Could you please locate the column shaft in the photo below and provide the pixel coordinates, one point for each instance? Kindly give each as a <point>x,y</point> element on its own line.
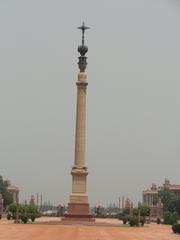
<point>80,137</point>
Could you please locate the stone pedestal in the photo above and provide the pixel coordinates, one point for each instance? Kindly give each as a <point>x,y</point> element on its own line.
<point>78,212</point>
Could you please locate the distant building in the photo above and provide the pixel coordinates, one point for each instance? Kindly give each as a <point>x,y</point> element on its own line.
<point>128,203</point>
<point>156,211</point>
<point>32,200</point>
<point>13,190</point>
<point>150,196</point>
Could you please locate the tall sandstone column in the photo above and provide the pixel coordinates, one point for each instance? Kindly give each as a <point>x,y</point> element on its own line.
<point>78,207</point>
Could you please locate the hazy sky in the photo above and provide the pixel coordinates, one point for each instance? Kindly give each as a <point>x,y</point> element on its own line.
<point>133,100</point>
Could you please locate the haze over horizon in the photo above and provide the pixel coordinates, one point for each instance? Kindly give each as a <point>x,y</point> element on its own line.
<point>133,114</point>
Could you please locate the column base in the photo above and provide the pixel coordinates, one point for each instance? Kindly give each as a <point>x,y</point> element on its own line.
<point>78,212</point>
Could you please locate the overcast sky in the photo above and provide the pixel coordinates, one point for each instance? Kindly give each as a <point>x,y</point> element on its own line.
<point>133,100</point>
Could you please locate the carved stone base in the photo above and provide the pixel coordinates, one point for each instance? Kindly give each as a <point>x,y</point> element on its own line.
<point>78,212</point>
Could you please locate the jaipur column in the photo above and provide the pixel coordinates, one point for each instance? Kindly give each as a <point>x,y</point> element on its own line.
<point>78,207</point>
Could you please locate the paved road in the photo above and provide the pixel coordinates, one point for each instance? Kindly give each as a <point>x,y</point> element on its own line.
<point>10,231</point>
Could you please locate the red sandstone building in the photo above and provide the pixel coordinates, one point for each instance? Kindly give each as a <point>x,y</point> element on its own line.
<point>150,195</point>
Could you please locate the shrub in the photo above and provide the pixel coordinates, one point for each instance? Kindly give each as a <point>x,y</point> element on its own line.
<point>158,221</point>
<point>142,221</point>
<point>32,216</point>
<point>25,212</point>
<point>123,218</point>
<point>174,218</point>
<point>8,216</point>
<point>170,218</point>
<point>167,216</point>
<point>133,221</point>
<point>24,219</point>
<point>176,227</point>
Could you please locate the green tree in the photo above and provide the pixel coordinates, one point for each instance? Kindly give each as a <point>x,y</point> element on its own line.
<point>144,210</point>
<point>174,218</point>
<point>135,211</point>
<point>168,198</point>
<point>31,208</point>
<point>5,194</point>
<point>178,207</point>
<point>126,211</point>
<point>12,208</point>
<point>170,218</point>
<point>172,205</point>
